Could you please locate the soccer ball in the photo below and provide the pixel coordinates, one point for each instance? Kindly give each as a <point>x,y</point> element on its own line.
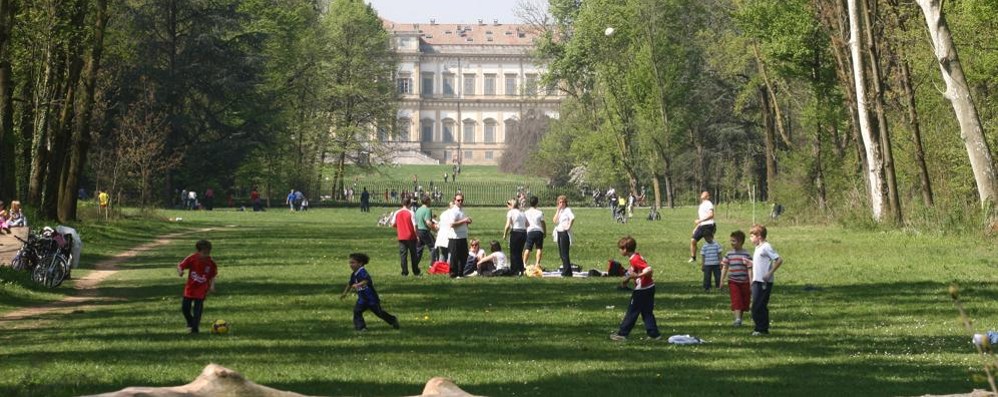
<point>220,327</point>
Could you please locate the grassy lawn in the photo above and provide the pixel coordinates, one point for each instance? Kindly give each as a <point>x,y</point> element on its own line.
<point>855,311</point>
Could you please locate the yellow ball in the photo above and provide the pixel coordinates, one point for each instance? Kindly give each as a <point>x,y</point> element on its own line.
<point>220,327</point>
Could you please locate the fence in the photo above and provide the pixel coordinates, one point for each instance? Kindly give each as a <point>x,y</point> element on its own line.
<point>476,193</point>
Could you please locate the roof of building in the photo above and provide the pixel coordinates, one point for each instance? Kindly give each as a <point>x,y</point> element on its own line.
<point>481,33</point>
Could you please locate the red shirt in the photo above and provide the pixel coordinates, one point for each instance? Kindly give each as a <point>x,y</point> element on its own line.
<point>638,265</point>
<point>201,270</point>
<point>254,195</point>
<point>404,226</point>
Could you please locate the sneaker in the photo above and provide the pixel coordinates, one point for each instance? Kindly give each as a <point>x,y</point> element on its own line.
<point>737,323</point>
<point>759,333</point>
<point>473,274</point>
<point>617,338</point>
<point>693,259</point>
<point>395,324</point>
<point>362,330</point>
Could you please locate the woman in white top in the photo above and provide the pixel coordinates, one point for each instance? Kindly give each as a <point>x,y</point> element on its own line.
<point>536,229</point>
<point>444,232</point>
<point>494,264</point>
<point>475,255</point>
<point>563,220</point>
<point>516,228</point>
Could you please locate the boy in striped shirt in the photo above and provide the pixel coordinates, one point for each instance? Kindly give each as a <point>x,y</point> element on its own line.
<point>737,265</point>
<point>711,254</point>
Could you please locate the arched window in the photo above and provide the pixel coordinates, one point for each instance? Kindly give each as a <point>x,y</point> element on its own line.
<point>469,131</point>
<point>426,128</point>
<point>490,131</point>
<point>510,127</point>
<point>402,129</point>
<point>448,135</point>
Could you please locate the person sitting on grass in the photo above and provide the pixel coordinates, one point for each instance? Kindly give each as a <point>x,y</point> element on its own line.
<point>643,296</point>
<point>494,264</point>
<point>367,297</point>
<point>475,254</point>
<point>17,218</point>
<point>4,219</point>
<point>200,280</point>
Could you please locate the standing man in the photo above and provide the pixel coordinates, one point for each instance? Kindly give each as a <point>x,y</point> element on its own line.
<point>458,244</point>
<point>290,200</point>
<point>209,199</point>
<point>365,201</point>
<point>424,224</point>
<point>405,227</point>
<point>704,224</point>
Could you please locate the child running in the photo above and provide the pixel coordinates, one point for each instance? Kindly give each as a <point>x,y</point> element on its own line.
<point>367,297</point>
<point>643,297</point>
<point>201,272</point>
<point>737,265</point>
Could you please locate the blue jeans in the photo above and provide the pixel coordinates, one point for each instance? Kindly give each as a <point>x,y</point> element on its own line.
<point>643,303</point>
<point>709,271</point>
<point>760,305</point>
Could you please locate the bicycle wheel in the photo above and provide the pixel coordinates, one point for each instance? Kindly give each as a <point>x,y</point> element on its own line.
<point>19,263</point>
<point>55,270</point>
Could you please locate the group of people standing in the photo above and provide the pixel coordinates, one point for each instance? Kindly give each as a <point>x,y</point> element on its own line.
<point>526,231</point>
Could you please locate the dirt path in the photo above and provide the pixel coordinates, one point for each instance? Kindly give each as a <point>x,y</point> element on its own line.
<point>86,288</point>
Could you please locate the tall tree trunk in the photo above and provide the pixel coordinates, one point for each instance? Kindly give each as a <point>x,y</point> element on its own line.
<point>894,203</point>
<point>761,64</point>
<point>916,134</point>
<point>7,166</point>
<point>43,105</point>
<point>770,144</point>
<point>657,190</point>
<point>819,171</point>
<point>670,186</point>
<point>27,127</point>
<point>874,164</point>
<point>82,130</point>
<point>699,170</point>
<point>63,131</point>
<point>958,93</point>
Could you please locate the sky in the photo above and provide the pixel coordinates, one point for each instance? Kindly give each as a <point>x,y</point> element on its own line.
<point>447,11</point>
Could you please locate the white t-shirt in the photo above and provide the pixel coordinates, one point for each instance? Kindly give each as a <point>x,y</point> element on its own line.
<point>460,231</point>
<point>762,259</point>
<point>500,260</point>
<point>477,255</point>
<point>534,220</point>
<point>518,221</point>
<point>445,233</point>
<point>564,222</point>
<point>706,207</point>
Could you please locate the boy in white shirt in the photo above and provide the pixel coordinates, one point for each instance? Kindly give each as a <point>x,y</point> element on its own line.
<point>765,262</point>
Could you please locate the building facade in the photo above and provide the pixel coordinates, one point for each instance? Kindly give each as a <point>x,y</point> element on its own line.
<point>463,88</point>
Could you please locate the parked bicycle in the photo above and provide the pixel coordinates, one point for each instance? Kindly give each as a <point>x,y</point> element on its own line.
<point>29,255</point>
<point>47,256</point>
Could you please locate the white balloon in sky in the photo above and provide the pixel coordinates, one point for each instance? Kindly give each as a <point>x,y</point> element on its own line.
<point>608,32</point>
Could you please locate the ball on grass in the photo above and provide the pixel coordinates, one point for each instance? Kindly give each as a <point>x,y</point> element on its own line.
<point>608,32</point>
<point>220,327</point>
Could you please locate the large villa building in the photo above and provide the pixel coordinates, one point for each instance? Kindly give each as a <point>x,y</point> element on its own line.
<point>463,88</point>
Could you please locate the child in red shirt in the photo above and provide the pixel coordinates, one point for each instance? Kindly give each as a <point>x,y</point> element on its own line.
<point>643,297</point>
<point>200,280</point>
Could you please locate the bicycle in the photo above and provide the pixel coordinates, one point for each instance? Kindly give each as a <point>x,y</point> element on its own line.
<point>56,256</point>
<point>28,256</point>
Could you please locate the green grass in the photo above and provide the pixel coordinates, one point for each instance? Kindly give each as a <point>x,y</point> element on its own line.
<point>874,319</point>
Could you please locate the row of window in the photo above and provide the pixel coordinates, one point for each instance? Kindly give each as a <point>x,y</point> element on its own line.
<point>470,84</point>
<point>470,155</point>
<point>448,133</point>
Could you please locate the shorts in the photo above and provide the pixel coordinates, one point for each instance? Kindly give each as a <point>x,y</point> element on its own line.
<point>741,295</point>
<point>702,231</point>
<point>534,239</point>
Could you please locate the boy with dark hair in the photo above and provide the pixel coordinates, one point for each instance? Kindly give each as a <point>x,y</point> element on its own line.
<point>710,253</point>
<point>643,297</point>
<point>404,223</point>
<point>765,262</point>
<point>737,264</point>
<point>200,280</point>
<point>367,297</point>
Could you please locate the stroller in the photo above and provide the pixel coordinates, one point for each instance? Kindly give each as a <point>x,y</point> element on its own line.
<point>385,219</point>
<point>620,213</point>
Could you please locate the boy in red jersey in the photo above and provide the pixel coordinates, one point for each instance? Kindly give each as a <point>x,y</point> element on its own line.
<point>643,297</point>
<point>200,280</point>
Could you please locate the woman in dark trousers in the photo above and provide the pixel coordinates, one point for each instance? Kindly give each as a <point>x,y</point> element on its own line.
<point>563,220</point>
<point>516,227</point>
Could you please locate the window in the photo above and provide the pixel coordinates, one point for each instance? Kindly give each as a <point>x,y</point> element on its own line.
<point>490,84</point>
<point>402,127</point>
<point>510,129</point>
<point>446,155</point>
<point>468,155</point>
<point>427,127</point>
<point>469,131</point>
<point>488,155</point>
<point>469,84</point>
<point>382,135</point>
<point>510,85</point>
<point>427,88</point>
<point>405,85</point>
<point>530,85</point>
<point>490,132</point>
<point>448,131</point>
<point>448,85</point>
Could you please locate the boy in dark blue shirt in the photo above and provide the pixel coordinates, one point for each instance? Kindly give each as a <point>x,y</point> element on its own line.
<point>367,297</point>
